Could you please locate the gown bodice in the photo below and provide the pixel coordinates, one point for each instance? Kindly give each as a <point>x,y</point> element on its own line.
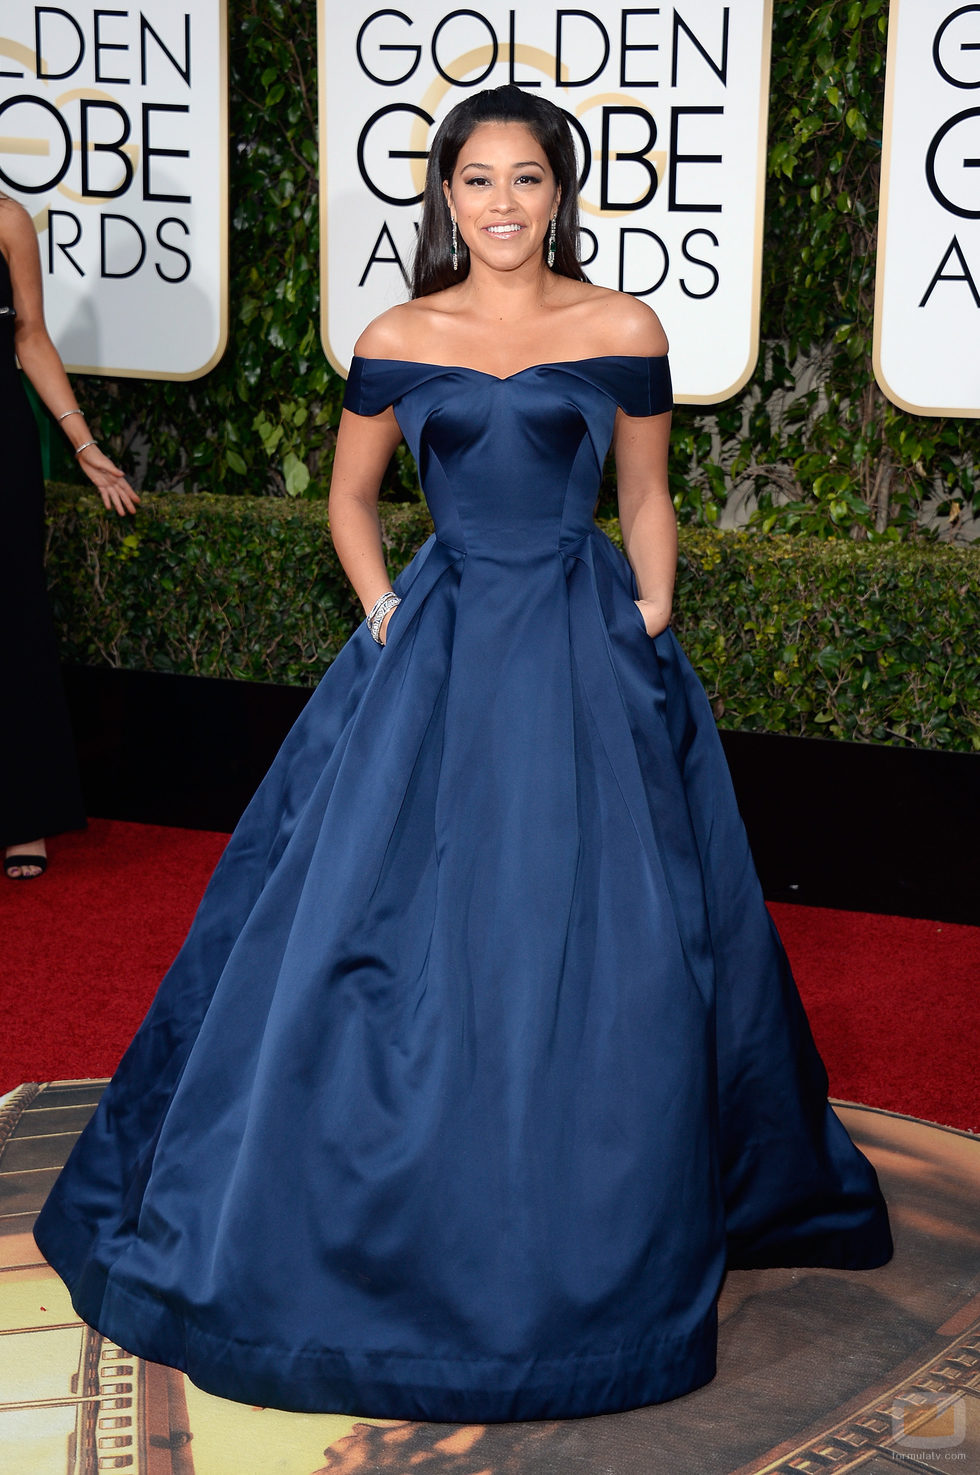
<point>510,465</point>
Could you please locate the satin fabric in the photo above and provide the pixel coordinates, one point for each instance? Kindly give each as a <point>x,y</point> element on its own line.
<point>482,1058</point>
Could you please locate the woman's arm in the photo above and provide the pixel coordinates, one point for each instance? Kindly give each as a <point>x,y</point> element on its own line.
<point>365,445</point>
<point>646,512</point>
<point>40,361</point>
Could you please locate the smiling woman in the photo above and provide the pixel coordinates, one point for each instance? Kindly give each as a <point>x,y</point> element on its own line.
<point>539,177</point>
<point>482,1061</point>
<point>501,201</point>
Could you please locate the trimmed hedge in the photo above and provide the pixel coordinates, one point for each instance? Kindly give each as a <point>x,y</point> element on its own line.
<point>247,588</point>
<point>869,642</point>
<point>872,642</point>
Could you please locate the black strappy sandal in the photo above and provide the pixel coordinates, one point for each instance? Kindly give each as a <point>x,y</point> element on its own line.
<point>12,863</point>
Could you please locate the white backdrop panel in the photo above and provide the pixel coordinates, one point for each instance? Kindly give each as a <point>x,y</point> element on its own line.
<point>113,134</point>
<point>927,301</point>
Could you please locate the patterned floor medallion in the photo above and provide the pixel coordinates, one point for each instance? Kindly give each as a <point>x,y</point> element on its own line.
<point>819,1370</point>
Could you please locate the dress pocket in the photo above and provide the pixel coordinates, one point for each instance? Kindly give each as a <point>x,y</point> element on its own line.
<point>639,619</point>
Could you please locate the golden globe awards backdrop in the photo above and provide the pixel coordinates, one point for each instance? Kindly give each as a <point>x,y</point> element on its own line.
<point>114,135</point>
<point>927,302</point>
<point>668,107</point>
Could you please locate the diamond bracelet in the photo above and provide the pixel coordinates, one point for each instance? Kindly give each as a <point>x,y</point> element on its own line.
<point>375,619</point>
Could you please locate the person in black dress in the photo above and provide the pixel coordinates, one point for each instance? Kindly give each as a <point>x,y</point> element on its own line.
<point>39,788</point>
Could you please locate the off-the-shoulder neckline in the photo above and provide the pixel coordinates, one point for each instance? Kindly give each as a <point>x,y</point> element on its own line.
<point>599,358</point>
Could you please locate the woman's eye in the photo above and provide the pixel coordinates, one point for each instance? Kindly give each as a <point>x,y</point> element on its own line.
<point>481,181</point>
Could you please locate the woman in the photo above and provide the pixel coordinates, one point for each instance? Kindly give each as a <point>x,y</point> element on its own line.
<point>481,1060</point>
<point>39,792</point>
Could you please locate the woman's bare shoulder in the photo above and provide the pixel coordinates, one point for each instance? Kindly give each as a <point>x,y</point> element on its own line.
<point>399,332</point>
<point>384,336</point>
<point>627,325</point>
<point>16,225</point>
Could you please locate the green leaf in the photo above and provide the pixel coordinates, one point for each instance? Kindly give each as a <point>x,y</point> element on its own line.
<point>295,473</point>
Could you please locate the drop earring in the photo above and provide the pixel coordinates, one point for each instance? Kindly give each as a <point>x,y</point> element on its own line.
<point>551,240</point>
<point>455,245</point>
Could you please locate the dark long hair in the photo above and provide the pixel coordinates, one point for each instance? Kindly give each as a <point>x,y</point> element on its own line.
<point>432,270</point>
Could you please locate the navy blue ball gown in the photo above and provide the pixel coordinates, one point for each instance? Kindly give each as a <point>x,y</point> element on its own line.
<point>482,1058</point>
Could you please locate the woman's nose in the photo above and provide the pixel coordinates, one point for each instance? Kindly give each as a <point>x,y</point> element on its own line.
<point>502,198</point>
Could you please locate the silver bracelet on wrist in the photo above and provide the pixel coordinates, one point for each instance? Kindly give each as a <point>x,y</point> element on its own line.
<point>80,449</point>
<point>375,619</point>
<point>67,413</point>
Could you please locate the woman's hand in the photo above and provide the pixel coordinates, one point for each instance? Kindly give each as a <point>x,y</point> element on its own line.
<point>109,481</point>
<point>655,617</point>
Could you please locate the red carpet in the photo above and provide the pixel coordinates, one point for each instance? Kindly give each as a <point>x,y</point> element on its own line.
<point>85,946</point>
<point>891,999</point>
<point>893,1006</point>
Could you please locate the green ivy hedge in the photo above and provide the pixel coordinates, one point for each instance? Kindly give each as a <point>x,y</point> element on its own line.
<point>870,642</point>
<point>247,588</point>
<point>874,642</point>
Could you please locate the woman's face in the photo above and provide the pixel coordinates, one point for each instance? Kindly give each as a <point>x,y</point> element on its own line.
<point>502,194</point>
